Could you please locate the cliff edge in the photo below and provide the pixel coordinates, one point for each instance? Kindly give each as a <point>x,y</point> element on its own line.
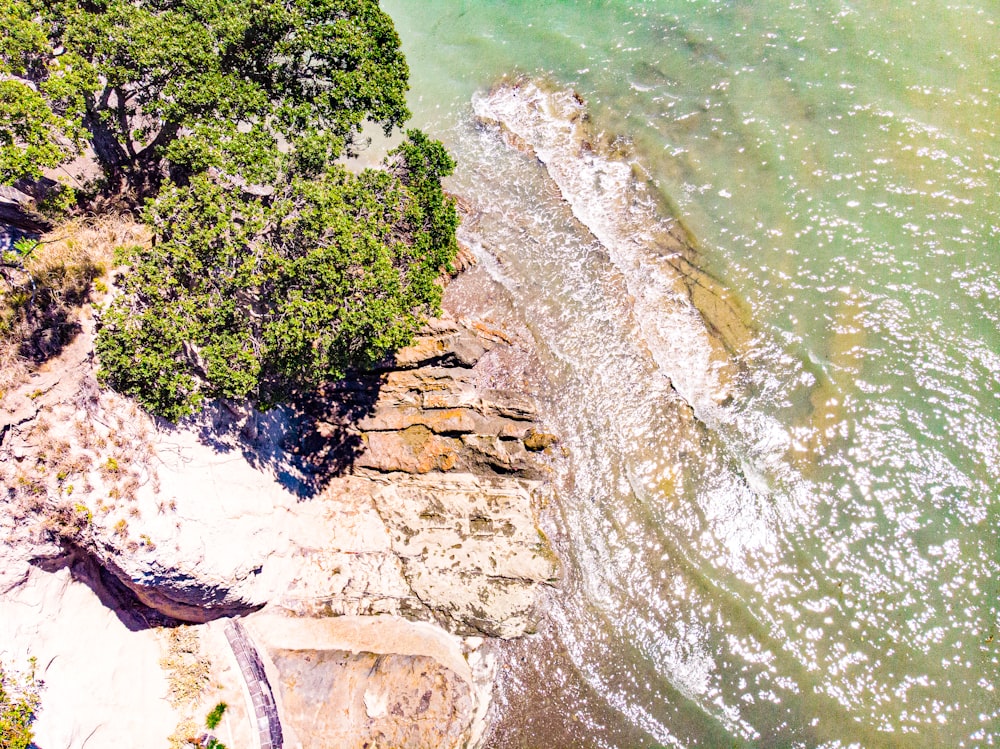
<point>370,536</point>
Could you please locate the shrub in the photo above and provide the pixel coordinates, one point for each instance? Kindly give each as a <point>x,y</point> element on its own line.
<point>213,719</point>
<point>19,702</point>
<point>42,289</point>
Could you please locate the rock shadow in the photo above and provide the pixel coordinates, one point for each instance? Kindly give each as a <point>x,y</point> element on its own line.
<point>11,234</point>
<point>117,597</point>
<point>110,591</point>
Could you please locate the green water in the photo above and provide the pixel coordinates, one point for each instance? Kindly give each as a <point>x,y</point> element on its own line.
<point>816,562</point>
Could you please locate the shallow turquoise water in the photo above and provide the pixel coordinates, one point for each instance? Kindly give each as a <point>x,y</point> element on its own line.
<point>815,562</point>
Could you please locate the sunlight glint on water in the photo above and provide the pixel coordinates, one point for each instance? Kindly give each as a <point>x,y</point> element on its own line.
<point>816,561</point>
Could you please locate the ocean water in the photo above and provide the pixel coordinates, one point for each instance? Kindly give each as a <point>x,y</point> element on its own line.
<point>757,246</point>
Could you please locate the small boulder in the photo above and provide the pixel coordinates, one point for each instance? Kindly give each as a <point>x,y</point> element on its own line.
<point>538,441</point>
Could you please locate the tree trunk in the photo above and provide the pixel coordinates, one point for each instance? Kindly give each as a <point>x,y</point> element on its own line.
<point>110,154</point>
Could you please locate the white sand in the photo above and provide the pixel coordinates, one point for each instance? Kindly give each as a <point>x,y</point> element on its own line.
<point>103,684</point>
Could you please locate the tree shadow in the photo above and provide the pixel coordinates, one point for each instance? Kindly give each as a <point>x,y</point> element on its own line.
<point>304,443</point>
<point>49,334</point>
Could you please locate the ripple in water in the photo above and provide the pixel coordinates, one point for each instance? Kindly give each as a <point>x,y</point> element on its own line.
<point>686,508</point>
<point>789,539</point>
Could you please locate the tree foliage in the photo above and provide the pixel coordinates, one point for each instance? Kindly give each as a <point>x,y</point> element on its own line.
<point>274,267</point>
<point>245,298</point>
<point>40,96</point>
<point>187,84</point>
<point>19,701</point>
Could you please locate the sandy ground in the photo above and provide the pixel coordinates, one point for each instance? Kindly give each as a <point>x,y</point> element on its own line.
<point>103,686</point>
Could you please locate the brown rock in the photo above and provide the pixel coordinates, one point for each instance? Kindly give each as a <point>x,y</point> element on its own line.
<point>415,449</point>
<point>455,346</point>
<point>490,333</point>
<point>385,700</point>
<point>484,452</point>
<point>442,421</point>
<point>467,348</point>
<point>538,441</point>
<point>422,350</point>
<point>509,404</point>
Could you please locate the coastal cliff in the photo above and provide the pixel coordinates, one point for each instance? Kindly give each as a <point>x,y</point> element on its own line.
<point>372,537</point>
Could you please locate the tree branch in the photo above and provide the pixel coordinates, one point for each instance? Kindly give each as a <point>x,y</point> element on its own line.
<point>123,124</point>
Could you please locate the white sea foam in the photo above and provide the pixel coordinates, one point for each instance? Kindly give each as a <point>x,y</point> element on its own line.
<point>597,178</point>
<point>606,198</point>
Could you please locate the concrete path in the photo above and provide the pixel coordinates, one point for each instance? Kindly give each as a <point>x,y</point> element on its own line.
<point>264,708</point>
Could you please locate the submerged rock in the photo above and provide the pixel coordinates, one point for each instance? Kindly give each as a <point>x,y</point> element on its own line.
<point>537,441</point>
<point>685,314</point>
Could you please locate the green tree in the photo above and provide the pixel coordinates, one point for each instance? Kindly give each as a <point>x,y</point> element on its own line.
<point>40,96</point>
<point>274,268</point>
<point>248,298</point>
<point>182,85</point>
<point>19,701</point>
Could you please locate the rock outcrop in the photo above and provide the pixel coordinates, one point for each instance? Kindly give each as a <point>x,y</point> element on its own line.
<point>389,700</point>
<point>430,516</point>
<point>428,412</point>
<point>350,681</point>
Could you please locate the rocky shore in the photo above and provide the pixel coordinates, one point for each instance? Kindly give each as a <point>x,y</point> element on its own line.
<point>371,537</point>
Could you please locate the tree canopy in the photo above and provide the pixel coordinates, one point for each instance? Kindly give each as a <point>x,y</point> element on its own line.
<point>246,298</point>
<point>273,267</point>
<point>188,84</point>
<point>40,96</point>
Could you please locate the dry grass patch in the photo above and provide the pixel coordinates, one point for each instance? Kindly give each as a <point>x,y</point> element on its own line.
<point>40,306</point>
<point>186,666</point>
<point>188,672</point>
